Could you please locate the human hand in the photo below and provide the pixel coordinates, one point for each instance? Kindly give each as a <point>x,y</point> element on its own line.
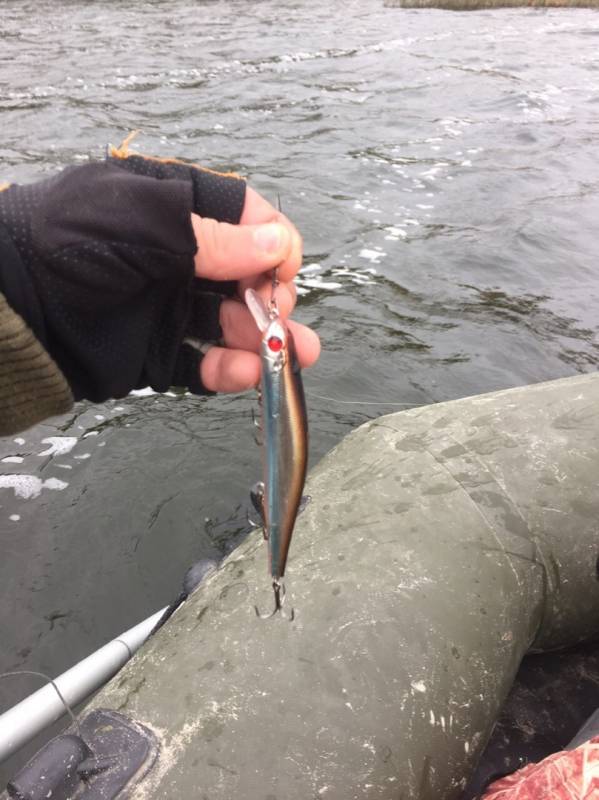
<point>134,260</point>
<point>247,253</point>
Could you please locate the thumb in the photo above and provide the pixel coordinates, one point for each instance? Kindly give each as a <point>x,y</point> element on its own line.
<point>231,252</point>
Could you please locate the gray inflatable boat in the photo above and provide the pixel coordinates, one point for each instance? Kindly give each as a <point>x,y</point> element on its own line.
<point>440,546</point>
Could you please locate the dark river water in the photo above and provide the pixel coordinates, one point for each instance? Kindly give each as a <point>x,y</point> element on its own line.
<point>444,171</point>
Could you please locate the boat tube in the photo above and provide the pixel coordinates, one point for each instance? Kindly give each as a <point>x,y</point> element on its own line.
<point>478,5</point>
<point>441,545</point>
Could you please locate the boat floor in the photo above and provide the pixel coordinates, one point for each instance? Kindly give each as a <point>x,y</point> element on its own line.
<point>554,694</point>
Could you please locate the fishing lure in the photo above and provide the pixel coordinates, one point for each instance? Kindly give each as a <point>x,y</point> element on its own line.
<point>284,425</point>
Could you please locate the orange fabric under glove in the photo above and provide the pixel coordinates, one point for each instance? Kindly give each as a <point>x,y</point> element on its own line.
<point>567,775</point>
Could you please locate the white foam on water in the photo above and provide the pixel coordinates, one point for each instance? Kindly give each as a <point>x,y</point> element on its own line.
<point>371,255</point>
<point>310,268</point>
<point>317,283</point>
<point>147,391</point>
<point>19,440</point>
<point>59,445</point>
<point>83,456</point>
<point>15,517</point>
<point>12,460</point>
<point>313,280</point>
<point>30,486</point>
<point>395,233</point>
<point>451,125</point>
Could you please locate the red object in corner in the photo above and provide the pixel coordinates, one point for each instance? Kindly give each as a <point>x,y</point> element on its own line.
<point>567,775</point>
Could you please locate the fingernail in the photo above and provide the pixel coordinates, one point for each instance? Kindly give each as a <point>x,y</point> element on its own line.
<point>270,238</point>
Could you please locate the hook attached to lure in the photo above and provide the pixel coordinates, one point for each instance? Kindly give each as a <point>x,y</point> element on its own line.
<point>279,595</point>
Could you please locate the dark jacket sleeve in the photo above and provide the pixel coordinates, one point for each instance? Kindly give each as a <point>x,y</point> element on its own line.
<point>105,277</point>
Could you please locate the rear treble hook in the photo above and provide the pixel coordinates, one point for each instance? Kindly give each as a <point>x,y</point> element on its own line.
<point>279,592</point>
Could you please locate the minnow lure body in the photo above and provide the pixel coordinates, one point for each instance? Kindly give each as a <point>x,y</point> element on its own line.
<point>284,435</point>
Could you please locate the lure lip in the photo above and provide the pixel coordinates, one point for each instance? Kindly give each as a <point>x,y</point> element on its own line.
<point>257,308</point>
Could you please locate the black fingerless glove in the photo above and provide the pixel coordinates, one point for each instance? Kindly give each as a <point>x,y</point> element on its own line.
<point>99,261</point>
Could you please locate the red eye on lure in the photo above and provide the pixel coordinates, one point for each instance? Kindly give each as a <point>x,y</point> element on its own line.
<point>275,344</point>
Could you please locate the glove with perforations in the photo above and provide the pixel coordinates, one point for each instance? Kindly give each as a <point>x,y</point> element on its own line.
<point>99,261</point>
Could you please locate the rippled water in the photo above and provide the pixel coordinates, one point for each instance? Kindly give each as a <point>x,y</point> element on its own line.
<point>444,170</point>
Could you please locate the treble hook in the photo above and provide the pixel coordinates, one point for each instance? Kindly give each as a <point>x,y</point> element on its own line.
<point>279,592</point>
